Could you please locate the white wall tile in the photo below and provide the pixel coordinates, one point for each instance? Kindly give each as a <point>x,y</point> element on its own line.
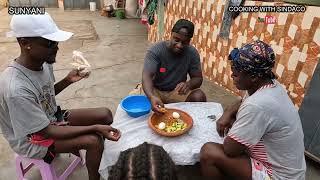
<point>292,31</point>
<point>316,37</point>
<point>302,78</point>
<point>279,70</point>
<point>282,18</point>
<point>293,60</point>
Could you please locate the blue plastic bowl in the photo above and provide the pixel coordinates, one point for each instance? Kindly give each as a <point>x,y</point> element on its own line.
<point>136,105</point>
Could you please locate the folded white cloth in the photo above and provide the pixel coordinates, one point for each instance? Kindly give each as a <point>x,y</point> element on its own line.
<point>184,149</point>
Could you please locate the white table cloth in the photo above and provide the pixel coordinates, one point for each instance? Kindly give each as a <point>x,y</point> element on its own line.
<point>184,149</point>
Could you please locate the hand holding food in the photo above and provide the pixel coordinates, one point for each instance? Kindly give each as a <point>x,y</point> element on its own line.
<point>156,104</point>
<point>81,64</point>
<point>109,132</point>
<point>162,109</point>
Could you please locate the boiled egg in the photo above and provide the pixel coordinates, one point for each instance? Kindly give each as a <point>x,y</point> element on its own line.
<point>175,115</point>
<point>162,125</point>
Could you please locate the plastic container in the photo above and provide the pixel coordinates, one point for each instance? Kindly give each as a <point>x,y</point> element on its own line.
<point>136,105</point>
<point>93,6</point>
<point>131,8</point>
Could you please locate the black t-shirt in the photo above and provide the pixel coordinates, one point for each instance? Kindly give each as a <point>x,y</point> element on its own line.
<point>171,69</point>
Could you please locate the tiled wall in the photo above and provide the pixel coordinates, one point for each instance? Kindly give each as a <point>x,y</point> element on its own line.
<point>295,39</point>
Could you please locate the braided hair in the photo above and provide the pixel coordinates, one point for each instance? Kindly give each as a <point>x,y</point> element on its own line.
<point>144,162</point>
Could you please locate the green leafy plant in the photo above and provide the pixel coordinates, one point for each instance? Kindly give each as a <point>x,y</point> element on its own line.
<point>120,14</point>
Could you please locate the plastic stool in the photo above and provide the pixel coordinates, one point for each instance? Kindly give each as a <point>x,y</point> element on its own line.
<point>47,170</point>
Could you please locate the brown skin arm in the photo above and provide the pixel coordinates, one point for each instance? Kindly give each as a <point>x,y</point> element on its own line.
<point>233,109</point>
<point>61,85</point>
<point>72,77</point>
<point>233,148</point>
<point>147,83</point>
<point>195,81</point>
<point>65,132</point>
<point>225,122</point>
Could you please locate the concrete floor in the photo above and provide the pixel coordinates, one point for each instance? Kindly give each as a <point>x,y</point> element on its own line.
<point>115,48</point>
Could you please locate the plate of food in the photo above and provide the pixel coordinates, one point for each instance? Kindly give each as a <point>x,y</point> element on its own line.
<point>173,122</point>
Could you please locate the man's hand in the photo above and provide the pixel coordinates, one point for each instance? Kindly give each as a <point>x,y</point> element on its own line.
<point>109,132</point>
<point>224,123</point>
<point>74,75</point>
<point>156,104</point>
<point>182,88</point>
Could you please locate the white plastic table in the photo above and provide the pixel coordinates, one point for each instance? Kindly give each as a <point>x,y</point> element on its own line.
<point>184,149</point>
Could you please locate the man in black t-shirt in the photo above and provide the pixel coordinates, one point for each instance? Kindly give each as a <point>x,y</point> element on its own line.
<point>167,64</point>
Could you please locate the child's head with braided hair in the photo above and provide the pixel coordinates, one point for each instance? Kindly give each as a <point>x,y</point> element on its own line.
<point>144,162</point>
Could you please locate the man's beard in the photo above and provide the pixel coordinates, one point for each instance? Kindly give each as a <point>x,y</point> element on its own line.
<point>50,59</point>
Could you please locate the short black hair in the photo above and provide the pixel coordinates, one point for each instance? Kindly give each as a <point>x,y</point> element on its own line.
<point>144,162</point>
<point>186,24</point>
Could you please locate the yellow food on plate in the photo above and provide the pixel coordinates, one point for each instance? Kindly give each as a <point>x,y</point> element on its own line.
<point>176,126</point>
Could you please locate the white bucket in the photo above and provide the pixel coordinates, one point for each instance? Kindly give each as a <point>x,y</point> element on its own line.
<point>93,6</point>
<point>131,8</point>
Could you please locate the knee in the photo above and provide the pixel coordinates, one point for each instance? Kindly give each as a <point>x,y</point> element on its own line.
<point>200,96</point>
<point>197,96</point>
<point>107,116</point>
<point>93,141</point>
<point>209,153</point>
<point>204,152</point>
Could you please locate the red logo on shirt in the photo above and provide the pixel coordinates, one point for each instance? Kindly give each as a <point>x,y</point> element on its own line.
<point>162,70</point>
